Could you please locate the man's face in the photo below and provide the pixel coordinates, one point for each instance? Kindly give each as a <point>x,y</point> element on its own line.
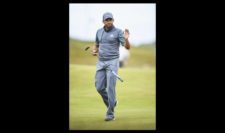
<point>108,22</point>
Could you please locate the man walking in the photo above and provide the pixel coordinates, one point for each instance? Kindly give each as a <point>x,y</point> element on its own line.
<point>108,40</point>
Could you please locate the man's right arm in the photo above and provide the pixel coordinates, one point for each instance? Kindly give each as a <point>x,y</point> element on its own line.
<point>94,50</point>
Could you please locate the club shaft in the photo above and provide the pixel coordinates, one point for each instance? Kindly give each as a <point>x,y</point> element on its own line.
<point>117,76</point>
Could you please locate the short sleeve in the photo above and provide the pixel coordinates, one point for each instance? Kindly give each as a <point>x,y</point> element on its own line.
<point>121,38</point>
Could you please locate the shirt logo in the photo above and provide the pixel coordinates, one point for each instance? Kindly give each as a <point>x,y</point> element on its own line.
<point>111,35</point>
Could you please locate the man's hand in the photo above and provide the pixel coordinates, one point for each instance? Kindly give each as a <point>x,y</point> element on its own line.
<point>94,50</point>
<point>126,34</point>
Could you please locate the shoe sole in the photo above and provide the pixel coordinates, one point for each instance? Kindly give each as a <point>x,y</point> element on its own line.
<point>110,119</point>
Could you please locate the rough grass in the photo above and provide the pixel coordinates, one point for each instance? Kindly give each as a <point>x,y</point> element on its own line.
<point>139,56</point>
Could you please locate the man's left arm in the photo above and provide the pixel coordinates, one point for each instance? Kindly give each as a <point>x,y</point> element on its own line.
<point>123,38</point>
<point>126,35</point>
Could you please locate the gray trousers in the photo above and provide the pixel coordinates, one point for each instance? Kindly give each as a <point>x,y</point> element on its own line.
<point>105,83</point>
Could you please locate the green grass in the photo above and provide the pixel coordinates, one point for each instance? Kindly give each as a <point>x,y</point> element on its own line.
<point>136,96</point>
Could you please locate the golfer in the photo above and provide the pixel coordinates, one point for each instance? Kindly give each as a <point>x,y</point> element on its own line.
<point>108,40</point>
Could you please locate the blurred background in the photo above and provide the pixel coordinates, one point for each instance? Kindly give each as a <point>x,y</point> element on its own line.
<point>136,95</point>
<point>140,19</point>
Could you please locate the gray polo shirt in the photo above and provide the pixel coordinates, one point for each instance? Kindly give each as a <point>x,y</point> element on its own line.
<point>109,43</point>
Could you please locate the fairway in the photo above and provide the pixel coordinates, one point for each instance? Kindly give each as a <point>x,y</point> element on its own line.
<point>136,95</point>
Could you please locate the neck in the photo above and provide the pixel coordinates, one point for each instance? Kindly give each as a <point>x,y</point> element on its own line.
<point>107,29</point>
